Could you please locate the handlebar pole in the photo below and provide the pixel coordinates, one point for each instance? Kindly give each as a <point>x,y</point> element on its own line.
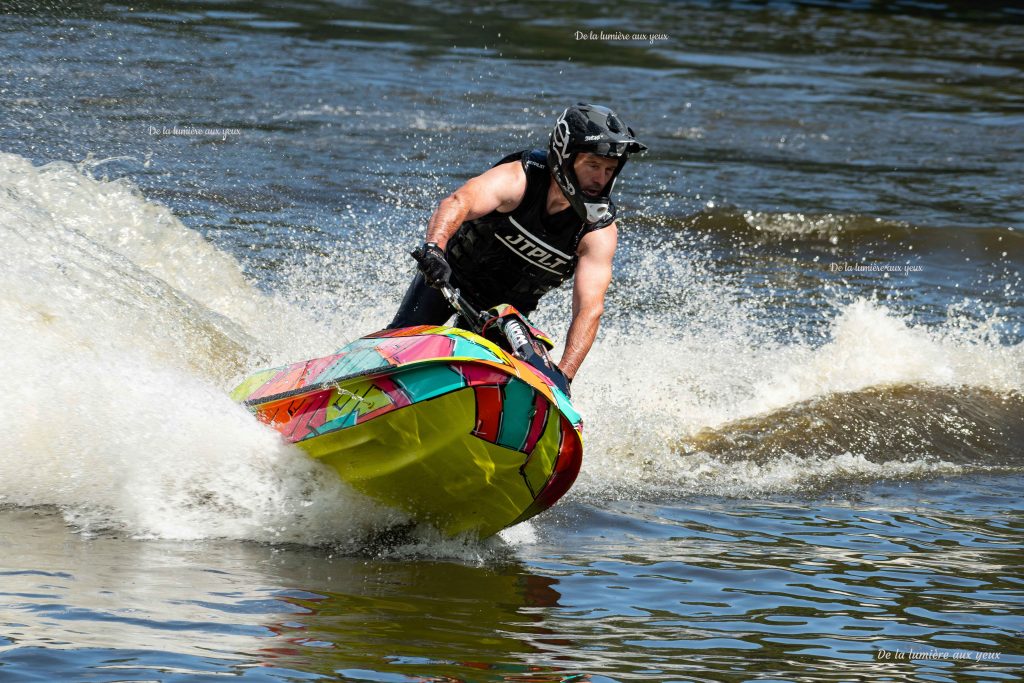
<point>456,300</point>
<point>461,306</point>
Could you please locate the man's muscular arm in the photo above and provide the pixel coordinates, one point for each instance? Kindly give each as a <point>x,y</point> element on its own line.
<point>501,187</point>
<point>593,275</point>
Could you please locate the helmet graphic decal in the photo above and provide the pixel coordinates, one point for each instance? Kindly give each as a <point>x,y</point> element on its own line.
<point>560,137</point>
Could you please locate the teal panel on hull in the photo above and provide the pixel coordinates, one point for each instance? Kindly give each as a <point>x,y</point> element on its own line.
<point>566,407</point>
<point>360,356</point>
<point>517,414</point>
<point>346,420</point>
<point>465,348</point>
<point>429,380</point>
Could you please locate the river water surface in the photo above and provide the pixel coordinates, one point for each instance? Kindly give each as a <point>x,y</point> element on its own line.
<point>804,415</point>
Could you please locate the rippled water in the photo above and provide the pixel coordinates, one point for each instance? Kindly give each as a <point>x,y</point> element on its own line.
<point>693,589</point>
<point>804,415</point>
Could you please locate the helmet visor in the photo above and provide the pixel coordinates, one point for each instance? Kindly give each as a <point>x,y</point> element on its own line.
<point>612,149</point>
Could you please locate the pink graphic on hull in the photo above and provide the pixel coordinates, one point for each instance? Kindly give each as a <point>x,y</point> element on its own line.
<point>401,351</point>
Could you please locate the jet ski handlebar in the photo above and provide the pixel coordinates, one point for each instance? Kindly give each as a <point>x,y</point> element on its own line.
<point>454,297</point>
<point>514,331</point>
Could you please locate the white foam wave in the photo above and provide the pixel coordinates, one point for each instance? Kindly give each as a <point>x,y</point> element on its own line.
<point>872,346</point>
<point>705,474</point>
<point>118,442</point>
<point>648,385</point>
<point>121,329</point>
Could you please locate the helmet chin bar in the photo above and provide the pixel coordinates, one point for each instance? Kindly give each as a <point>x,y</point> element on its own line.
<point>596,210</point>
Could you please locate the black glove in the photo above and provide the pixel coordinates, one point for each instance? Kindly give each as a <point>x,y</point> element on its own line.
<point>433,264</point>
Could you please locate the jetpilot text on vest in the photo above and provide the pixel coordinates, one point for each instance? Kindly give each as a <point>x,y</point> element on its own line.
<point>532,252</point>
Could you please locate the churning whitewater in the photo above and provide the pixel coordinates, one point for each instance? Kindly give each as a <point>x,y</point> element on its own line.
<point>123,330</point>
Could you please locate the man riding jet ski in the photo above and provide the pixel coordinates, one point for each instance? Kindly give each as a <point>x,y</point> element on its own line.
<point>522,228</point>
<point>471,429</point>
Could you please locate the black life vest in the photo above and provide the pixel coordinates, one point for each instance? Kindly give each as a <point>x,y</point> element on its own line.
<point>517,257</point>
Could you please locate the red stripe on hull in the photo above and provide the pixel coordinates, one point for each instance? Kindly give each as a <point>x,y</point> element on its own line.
<point>539,421</point>
<point>480,374</point>
<point>488,413</point>
<point>567,467</point>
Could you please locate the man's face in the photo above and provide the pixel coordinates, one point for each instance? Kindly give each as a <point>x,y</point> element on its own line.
<point>593,172</point>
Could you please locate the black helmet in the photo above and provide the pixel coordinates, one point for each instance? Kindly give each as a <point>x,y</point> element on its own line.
<point>595,129</point>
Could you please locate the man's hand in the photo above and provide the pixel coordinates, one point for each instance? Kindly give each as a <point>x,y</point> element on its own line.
<point>433,264</point>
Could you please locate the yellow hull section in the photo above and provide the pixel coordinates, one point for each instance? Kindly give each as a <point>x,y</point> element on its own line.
<point>425,460</point>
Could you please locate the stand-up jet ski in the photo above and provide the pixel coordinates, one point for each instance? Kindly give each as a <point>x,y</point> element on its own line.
<point>470,431</point>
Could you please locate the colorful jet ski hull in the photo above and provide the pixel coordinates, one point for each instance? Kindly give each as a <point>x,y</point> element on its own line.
<point>436,421</point>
